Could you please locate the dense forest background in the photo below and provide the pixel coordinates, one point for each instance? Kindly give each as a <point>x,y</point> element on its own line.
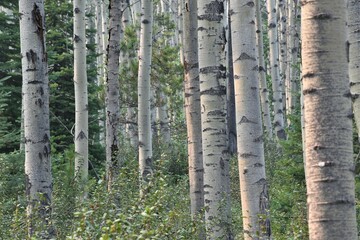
<point>123,213</point>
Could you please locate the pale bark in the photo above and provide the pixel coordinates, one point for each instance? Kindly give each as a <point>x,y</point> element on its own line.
<point>81,95</point>
<point>264,93</point>
<point>292,75</point>
<point>135,6</point>
<point>163,118</point>
<point>192,107</point>
<point>144,95</point>
<point>277,85</point>
<point>253,185</point>
<point>212,68</point>
<point>354,57</point>
<point>38,179</point>
<point>328,121</point>
<point>113,94</point>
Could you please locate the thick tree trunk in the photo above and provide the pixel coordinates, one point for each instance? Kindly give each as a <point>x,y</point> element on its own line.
<point>277,85</point>
<point>328,121</point>
<point>264,93</point>
<point>192,107</point>
<point>38,179</point>
<point>253,185</point>
<point>144,91</point>
<point>81,96</point>
<point>354,57</point>
<point>212,68</point>
<point>113,94</point>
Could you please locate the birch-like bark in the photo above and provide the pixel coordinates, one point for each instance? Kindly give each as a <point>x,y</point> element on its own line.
<point>277,85</point>
<point>144,91</point>
<point>354,57</point>
<point>328,121</point>
<point>264,93</point>
<point>81,95</point>
<point>162,118</point>
<point>212,68</point>
<point>35,91</point>
<point>292,75</point>
<point>282,42</point>
<point>192,107</point>
<point>253,185</point>
<point>113,94</point>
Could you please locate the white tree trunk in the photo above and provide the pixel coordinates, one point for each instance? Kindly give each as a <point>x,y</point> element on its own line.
<point>38,179</point>
<point>144,95</point>
<point>81,95</point>
<point>135,6</point>
<point>113,93</point>
<point>253,184</point>
<point>192,107</point>
<point>277,85</point>
<point>354,57</point>
<point>163,119</point>
<point>264,93</point>
<point>328,121</point>
<point>212,68</point>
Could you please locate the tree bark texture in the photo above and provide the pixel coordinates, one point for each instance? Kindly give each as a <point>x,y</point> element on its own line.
<point>264,93</point>
<point>144,91</point>
<point>354,57</point>
<point>212,68</point>
<point>113,93</point>
<point>81,95</point>
<point>38,179</point>
<point>253,184</point>
<point>328,121</point>
<point>277,84</point>
<point>192,107</point>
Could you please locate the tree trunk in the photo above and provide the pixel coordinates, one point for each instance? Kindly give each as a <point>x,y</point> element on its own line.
<point>275,72</point>
<point>144,95</point>
<point>292,76</point>
<point>38,179</point>
<point>81,95</point>
<point>212,45</point>
<point>230,92</point>
<point>253,185</point>
<point>264,93</point>
<point>328,121</point>
<point>192,107</point>
<point>354,57</point>
<point>113,93</point>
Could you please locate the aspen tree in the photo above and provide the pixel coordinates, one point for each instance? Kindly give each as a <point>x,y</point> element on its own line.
<point>277,85</point>
<point>81,95</point>
<point>144,91</point>
<point>212,68</point>
<point>354,57</point>
<point>264,93</point>
<point>328,121</point>
<point>253,184</point>
<point>113,93</point>
<point>192,107</point>
<point>35,91</point>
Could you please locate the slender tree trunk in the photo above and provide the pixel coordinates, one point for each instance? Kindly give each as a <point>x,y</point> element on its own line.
<point>275,72</point>
<point>264,93</point>
<point>212,45</point>
<point>230,92</point>
<point>292,75</point>
<point>135,6</point>
<point>144,95</point>
<point>163,119</point>
<point>192,107</point>
<point>81,95</point>
<point>38,179</point>
<point>253,185</point>
<point>328,121</point>
<point>113,93</point>
<point>354,57</point>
